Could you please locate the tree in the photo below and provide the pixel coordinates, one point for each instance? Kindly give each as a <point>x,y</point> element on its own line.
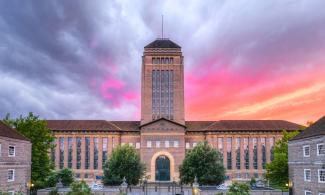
<point>123,162</point>
<point>277,171</point>
<point>238,189</point>
<point>79,188</point>
<point>40,135</point>
<point>64,175</point>
<point>204,162</point>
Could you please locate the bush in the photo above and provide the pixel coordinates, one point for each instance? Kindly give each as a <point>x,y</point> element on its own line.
<point>79,188</point>
<point>65,175</point>
<point>124,162</point>
<point>204,162</point>
<point>239,189</point>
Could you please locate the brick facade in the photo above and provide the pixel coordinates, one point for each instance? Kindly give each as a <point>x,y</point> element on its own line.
<point>20,163</point>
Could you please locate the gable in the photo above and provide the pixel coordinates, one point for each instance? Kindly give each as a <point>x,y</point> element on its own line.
<point>162,125</point>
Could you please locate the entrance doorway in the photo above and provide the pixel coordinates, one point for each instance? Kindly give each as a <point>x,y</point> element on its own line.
<point>162,168</point>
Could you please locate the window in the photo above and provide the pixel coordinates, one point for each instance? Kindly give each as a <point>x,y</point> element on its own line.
<point>61,157</point>
<point>162,94</point>
<point>104,150</point>
<point>321,193</point>
<point>187,145</point>
<point>194,144</point>
<point>246,153</point>
<point>271,140</point>
<point>176,144</point>
<point>167,144</point>
<point>137,145</point>
<point>307,175</point>
<point>321,175</point>
<point>263,141</point>
<point>95,153</point>
<point>87,152</point>
<point>69,152</point>
<point>11,175</point>
<point>11,151</point>
<point>237,153</point>
<point>78,140</point>
<point>157,144</point>
<point>320,149</point>
<point>52,151</point>
<point>307,192</point>
<point>255,154</point>
<point>229,155</point>
<point>148,144</point>
<point>306,151</point>
<point>11,192</point>
<point>0,150</point>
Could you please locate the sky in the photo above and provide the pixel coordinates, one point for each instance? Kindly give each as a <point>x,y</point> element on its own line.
<point>243,59</point>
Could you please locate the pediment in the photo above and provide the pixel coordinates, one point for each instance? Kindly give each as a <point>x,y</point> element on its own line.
<point>163,125</point>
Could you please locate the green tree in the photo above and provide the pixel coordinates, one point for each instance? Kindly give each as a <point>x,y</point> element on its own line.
<point>238,189</point>
<point>123,162</point>
<point>41,137</point>
<point>64,175</point>
<point>204,162</point>
<point>79,188</point>
<point>277,171</point>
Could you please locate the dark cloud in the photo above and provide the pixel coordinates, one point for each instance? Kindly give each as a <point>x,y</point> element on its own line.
<point>57,57</point>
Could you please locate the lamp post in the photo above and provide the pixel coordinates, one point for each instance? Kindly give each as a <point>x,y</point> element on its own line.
<point>195,186</point>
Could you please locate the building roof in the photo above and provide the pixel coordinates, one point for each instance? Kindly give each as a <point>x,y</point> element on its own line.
<point>176,123</point>
<point>240,125</point>
<point>316,129</point>
<point>223,125</point>
<point>162,43</point>
<point>6,131</point>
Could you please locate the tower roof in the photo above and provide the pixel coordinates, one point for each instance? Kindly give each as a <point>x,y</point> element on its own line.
<point>162,43</point>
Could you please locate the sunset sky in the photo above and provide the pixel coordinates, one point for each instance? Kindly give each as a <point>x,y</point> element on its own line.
<point>243,59</point>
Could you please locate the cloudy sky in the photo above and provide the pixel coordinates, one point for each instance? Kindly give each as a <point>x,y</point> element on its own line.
<point>243,59</point>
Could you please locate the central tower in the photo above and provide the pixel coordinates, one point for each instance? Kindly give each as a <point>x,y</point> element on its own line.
<point>162,82</point>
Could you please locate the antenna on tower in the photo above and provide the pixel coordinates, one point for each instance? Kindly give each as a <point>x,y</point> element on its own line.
<point>162,26</point>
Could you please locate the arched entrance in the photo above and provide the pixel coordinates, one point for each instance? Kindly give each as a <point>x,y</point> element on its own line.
<point>162,168</point>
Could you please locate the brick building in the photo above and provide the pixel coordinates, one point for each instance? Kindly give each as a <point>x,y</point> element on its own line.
<point>15,160</point>
<point>307,160</point>
<point>163,136</point>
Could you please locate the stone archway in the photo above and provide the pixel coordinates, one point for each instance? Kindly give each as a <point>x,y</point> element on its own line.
<point>162,172</point>
<point>171,164</point>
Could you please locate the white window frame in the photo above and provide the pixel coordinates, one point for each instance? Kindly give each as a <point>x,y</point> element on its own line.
<point>305,178</point>
<point>321,193</point>
<point>176,144</point>
<point>11,192</point>
<point>9,151</point>
<point>318,154</point>
<point>157,144</point>
<point>149,144</point>
<point>307,191</point>
<point>13,175</point>
<point>194,144</point>
<point>308,150</point>
<point>167,144</point>
<point>0,150</point>
<point>319,170</point>
<point>187,145</point>
<point>137,145</point>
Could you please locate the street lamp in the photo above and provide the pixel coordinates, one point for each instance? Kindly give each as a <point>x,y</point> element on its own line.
<point>196,186</point>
